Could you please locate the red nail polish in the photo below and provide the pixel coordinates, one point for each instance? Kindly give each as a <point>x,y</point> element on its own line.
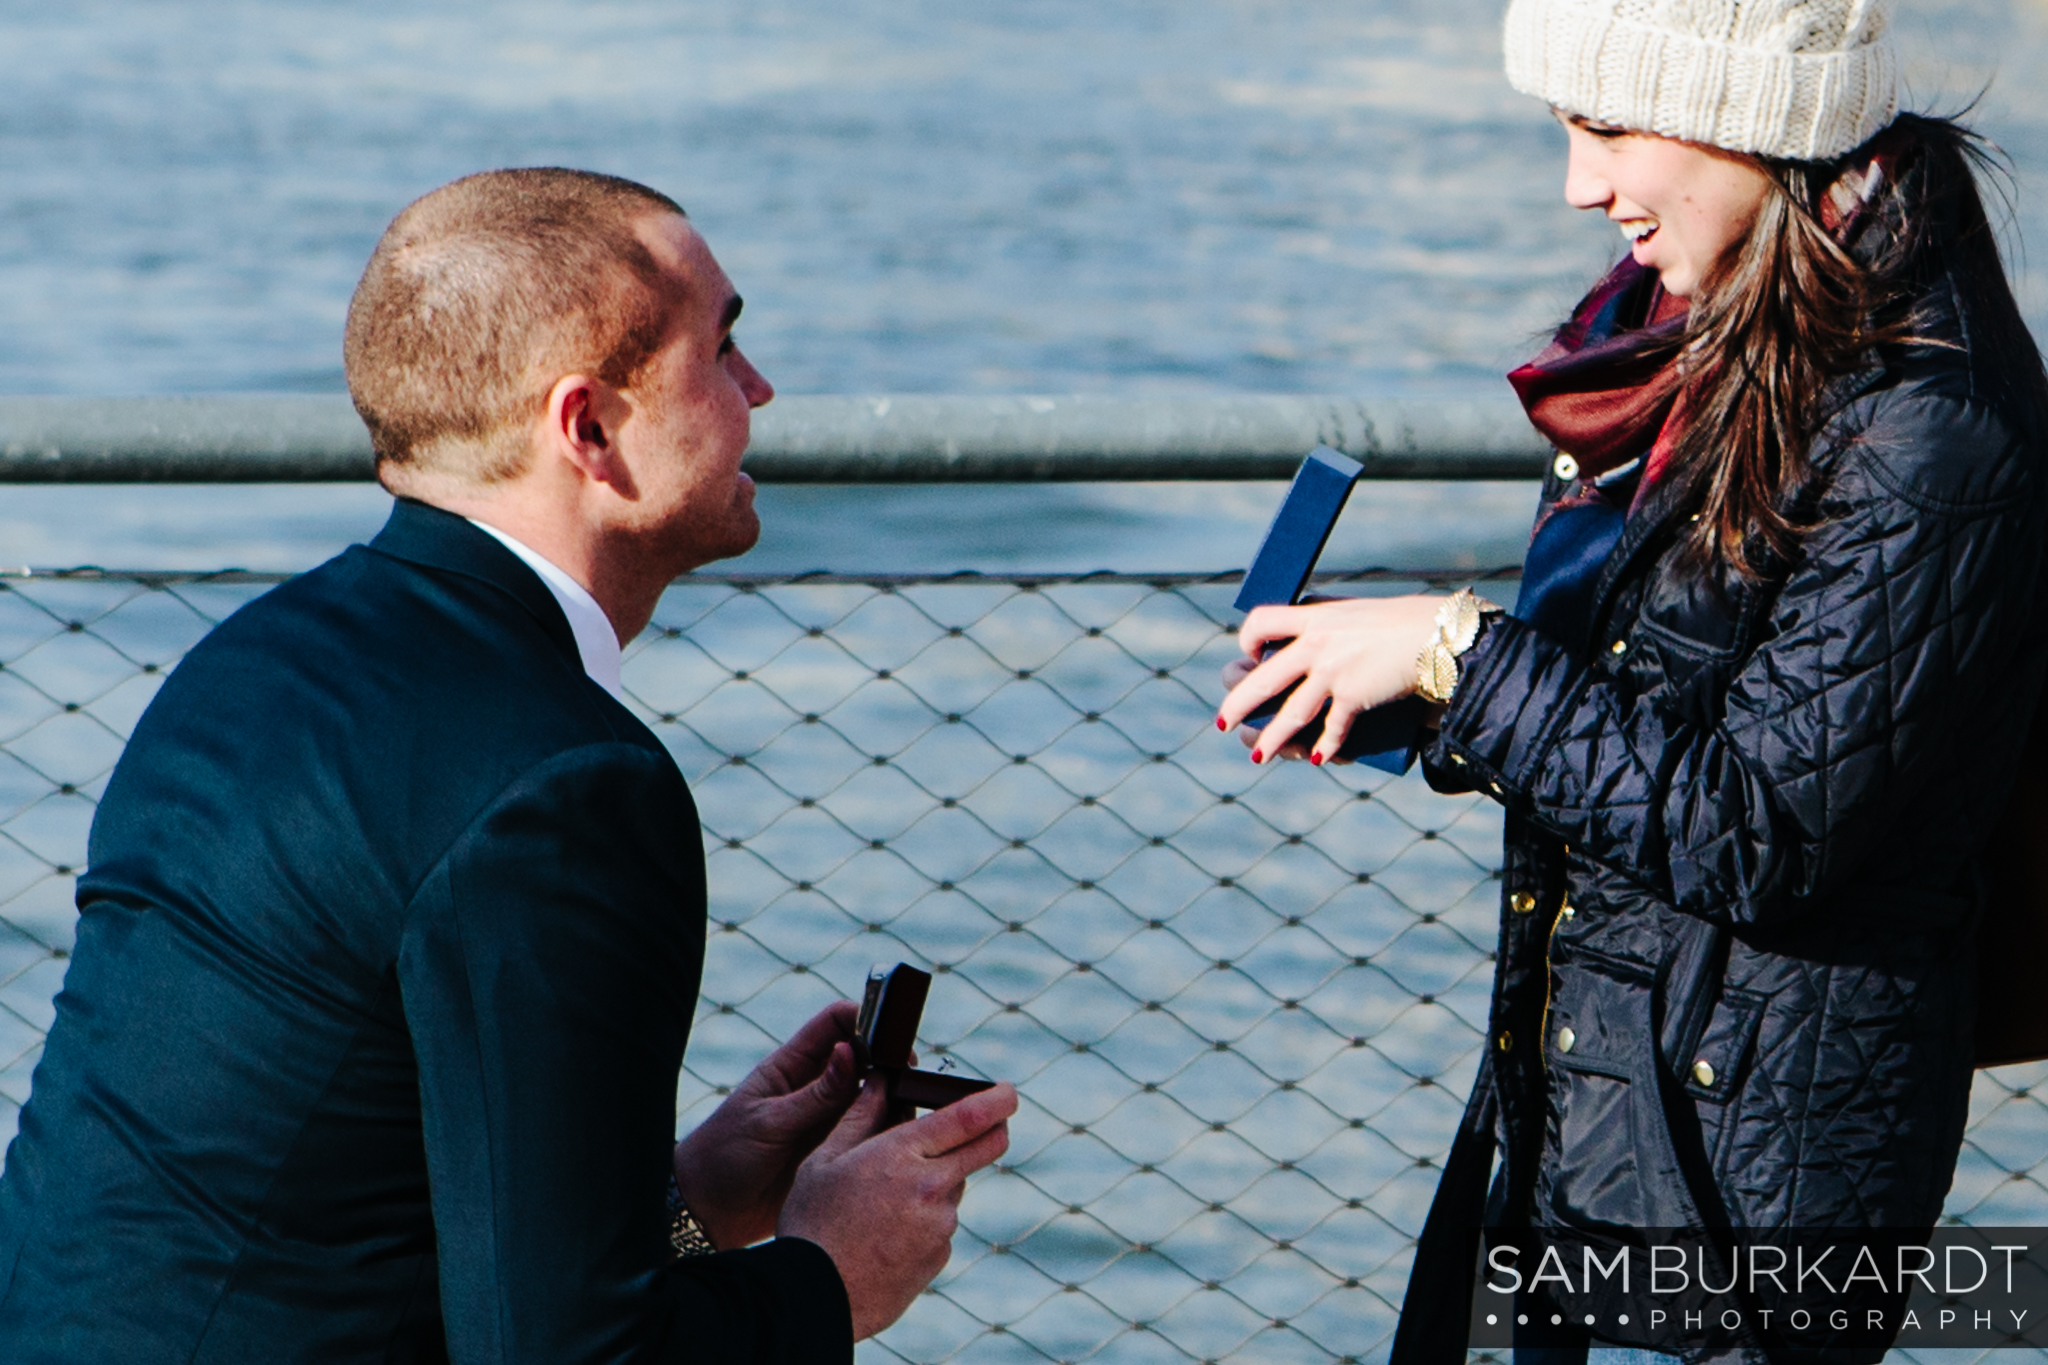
<point>1258,757</point>
<point>1220,725</point>
<point>1316,759</point>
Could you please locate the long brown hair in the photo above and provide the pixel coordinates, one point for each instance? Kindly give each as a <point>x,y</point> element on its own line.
<point>1796,309</point>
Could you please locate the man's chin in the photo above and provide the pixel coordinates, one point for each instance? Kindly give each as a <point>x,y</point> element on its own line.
<point>745,534</point>
<point>738,533</point>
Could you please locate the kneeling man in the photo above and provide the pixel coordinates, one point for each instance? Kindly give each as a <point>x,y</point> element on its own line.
<point>392,932</point>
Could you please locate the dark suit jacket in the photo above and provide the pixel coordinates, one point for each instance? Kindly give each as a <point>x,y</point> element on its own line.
<point>388,953</point>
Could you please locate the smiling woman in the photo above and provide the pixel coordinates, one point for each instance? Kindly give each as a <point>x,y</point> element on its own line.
<point>1779,641</point>
<point>1682,205</point>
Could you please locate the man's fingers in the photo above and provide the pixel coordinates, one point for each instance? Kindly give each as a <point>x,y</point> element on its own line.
<point>860,1122</point>
<point>961,1122</point>
<point>811,1046</point>
<point>824,1098</point>
<point>832,1024</point>
<point>970,1157</point>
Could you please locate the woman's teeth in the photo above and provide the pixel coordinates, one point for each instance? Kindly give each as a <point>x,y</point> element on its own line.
<point>1637,229</point>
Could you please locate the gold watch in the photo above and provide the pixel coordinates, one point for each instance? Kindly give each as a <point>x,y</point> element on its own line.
<point>1457,626</point>
<point>686,1236</point>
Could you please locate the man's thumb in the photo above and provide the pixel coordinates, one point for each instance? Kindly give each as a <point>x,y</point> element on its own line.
<point>860,1122</point>
<point>825,1099</point>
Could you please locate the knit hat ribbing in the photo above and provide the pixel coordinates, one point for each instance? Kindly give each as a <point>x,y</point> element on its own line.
<point>1805,80</point>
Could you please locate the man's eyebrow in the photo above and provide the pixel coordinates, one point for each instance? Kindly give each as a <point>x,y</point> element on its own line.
<point>732,313</point>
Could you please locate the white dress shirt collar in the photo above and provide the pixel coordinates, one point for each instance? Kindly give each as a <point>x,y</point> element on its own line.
<point>596,643</point>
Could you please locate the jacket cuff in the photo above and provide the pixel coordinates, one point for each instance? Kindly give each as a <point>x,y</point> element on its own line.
<point>1515,684</point>
<point>815,1324</point>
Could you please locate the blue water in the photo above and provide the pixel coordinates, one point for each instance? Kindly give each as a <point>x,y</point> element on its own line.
<point>920,195</point>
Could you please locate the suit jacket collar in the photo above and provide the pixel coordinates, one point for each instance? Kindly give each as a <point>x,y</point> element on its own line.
<point>434,539</point>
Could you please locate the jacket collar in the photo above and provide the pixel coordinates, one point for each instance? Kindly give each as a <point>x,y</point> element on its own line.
<point>434,539</point>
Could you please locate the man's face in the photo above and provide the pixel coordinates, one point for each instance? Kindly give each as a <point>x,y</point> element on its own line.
<point>690,404</point>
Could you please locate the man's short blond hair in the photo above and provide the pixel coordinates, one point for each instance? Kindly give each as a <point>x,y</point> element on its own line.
<point>485,292</point>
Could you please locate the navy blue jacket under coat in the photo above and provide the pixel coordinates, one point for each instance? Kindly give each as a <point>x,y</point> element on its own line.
<point>368,1051</point>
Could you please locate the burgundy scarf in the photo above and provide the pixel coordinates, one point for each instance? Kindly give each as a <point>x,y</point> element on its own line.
<point>1604,387</point>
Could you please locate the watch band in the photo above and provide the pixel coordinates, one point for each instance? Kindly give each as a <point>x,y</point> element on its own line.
<point>686,1236</point>
<point>1457,628</point>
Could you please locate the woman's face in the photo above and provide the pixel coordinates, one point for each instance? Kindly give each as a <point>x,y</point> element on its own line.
<point>1683,206</point>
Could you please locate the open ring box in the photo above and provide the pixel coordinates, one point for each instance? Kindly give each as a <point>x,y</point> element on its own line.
<point>886,1032</point>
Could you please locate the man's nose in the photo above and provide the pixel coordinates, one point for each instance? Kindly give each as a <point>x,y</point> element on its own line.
<point>753,383</point>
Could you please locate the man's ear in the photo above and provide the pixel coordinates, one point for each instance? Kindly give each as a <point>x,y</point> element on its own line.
<point>581,430</point>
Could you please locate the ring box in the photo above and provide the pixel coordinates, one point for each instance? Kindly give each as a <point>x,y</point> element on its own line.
<point>1384,737</point>
<point>884,1035</point>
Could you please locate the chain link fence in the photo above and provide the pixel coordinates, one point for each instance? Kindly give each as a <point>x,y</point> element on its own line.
<point>1243,1005</point>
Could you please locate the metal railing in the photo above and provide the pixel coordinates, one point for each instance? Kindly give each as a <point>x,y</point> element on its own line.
<point>316,438</point>
<point>1242,1005</point>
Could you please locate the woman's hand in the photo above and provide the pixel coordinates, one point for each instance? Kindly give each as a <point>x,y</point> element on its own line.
<point>1356,653</point>
<point>1234,673</point>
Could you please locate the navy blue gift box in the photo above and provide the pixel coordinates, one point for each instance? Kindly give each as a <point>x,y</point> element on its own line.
<point>1385,737</point>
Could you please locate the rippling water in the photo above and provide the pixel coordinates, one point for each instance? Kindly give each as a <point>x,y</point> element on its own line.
<point>920,195</point>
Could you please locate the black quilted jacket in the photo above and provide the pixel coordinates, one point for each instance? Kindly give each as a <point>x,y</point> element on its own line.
<point>1743,831</point>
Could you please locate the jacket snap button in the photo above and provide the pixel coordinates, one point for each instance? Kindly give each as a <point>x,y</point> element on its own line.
<point>1505,1041</point>
<point>1565,467</point>
<point>1703,1071</point>
<point>1618,647</point>
<point>1521,902</point>
<point>1568,911</point>
<point>1565,1039</point>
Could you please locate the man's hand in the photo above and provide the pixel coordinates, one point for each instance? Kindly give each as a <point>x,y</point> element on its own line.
<point>735,1170</point>
<point>883,1202</point>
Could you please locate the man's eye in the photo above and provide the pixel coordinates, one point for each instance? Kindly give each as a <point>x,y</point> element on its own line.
<point>727,346</point>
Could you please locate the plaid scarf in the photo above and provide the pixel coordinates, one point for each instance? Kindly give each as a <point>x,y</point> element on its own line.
<point>1605,386</point>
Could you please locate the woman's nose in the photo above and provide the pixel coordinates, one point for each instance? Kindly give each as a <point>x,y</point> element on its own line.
<point>1584,186</point>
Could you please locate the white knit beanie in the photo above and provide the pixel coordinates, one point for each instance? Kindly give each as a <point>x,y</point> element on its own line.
<point>1805,80</point>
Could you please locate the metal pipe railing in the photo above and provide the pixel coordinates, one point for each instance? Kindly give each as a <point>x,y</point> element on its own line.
<point>826,438</point>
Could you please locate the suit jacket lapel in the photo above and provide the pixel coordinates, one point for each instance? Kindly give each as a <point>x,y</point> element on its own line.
<point>435,539</point>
